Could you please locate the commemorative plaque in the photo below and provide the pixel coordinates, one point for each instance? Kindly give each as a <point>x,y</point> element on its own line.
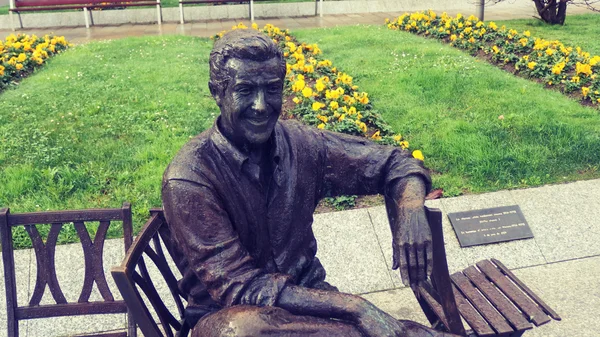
<point>490,225</point>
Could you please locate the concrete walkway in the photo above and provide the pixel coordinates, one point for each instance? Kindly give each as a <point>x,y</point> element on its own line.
<point>561,263</point>
<point>507,10</point>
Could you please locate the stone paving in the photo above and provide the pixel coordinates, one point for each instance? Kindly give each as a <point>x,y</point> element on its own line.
<point>507,10</point>
<point>561,263</point>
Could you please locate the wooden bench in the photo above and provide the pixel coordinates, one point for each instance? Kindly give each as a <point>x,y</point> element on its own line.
<point>18,6</point>
<point>45,250</point>
<point>318,6</point>
<point>491,299</point>
<point>488,296</point>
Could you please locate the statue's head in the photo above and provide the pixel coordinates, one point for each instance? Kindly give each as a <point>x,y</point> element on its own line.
<point>247,71</point>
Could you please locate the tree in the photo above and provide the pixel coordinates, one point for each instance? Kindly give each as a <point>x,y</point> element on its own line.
<point>555,11</point>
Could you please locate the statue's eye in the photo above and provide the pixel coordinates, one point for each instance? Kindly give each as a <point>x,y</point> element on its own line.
<point>243,91</point>
<point>274,89</point>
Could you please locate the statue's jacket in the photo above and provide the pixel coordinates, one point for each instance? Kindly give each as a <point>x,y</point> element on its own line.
<point>244,234</point>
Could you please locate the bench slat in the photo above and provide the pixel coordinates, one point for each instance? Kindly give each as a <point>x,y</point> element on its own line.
<point>526,289</point>
<point>500,302</point>
<point>470,315</point>
<point>497,321</point>
<point>513,293</point>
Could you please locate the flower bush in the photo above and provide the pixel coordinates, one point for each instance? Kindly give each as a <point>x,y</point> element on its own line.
<point>21,54</point>
<point>324,96</point>
<point>569,69</point>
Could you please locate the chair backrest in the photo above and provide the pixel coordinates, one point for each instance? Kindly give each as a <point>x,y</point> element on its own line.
<point>134,279</point>
<point>46,265</point>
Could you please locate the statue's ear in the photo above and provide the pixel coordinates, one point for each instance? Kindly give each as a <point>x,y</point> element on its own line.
<point>215,92</point>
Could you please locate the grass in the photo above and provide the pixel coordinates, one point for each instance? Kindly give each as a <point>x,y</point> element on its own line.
<point>579,30</point>
<point>99,124</point>
<point>4,10</point>
<point>448,104</point>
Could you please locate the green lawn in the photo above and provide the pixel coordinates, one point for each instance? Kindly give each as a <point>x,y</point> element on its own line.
<point>448,104</point>
<point>579,30</point>
<point>4,10</point>
<point>98,125</point>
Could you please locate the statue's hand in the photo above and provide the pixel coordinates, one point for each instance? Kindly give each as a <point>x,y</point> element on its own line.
<point>373,322</point>
<point>412,246</point>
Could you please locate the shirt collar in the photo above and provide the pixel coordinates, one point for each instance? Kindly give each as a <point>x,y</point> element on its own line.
<point>234,155</point>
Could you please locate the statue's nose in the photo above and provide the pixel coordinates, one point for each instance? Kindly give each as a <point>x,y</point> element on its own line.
<point>259,105</point>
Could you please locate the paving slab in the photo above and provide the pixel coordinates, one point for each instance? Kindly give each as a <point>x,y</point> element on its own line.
<point>514,254</point>
<point>564,218</point>
<point>572,289</point>
<point>455,257</point>
<point>399,303</point>
<point>22,260</point>
<point>350,253</point>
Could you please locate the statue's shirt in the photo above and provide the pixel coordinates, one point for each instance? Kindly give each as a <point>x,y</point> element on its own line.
<point>244,238</point>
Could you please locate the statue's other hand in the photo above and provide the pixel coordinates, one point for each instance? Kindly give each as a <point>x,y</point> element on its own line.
<point>373,322</point>
<point>412,246</point>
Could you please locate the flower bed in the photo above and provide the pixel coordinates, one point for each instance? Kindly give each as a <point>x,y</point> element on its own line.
<point>319,94</point>
<point>21,54</point>
<point>569,69</point>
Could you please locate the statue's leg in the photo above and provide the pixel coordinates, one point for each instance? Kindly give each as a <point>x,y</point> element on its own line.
<point>414,329</point>
<point>246,321</point>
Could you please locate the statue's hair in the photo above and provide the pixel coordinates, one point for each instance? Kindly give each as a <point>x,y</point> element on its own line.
<point>243,44</point>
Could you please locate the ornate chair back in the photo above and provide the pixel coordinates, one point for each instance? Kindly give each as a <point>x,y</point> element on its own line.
<point>46,265</point>
<point>133,278</point>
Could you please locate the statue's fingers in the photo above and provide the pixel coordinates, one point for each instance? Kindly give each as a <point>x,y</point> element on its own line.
<point>422,264</point>
<point>412,264</point>
<point>403,262</point>
<point>429,257</point>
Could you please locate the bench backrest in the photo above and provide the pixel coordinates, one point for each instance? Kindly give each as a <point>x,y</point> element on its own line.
<point>46,265</point>
<point>82,3</point>
<point>134,280</point>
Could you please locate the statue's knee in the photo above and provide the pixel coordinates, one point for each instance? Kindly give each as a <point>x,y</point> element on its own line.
<point>238,321</point>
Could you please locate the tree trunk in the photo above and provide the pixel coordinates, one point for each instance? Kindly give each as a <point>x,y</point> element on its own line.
<point>552,12</point>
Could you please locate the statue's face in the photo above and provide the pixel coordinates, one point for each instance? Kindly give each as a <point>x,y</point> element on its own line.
<point>251,103</point>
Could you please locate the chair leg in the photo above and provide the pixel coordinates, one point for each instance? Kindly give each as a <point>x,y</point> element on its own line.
<point>158,11</point>
<point>86,17</point>
<point>181,13</point>
<point>252,10</point>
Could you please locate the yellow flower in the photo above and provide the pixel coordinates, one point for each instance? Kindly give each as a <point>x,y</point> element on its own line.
<point>549,52</point>
<point>558,68</point>
<point>316,106</point>
<point>495,49</point>
<point>527,33</point>
<point>526,57</point>
<point>254,26</point>
<point>585,91</point>
<point>376,135</point>
<point>321,126</point>
<point>418,155</point>
<point>22,57</point>
<point>334,105</point>
<point>594,60</point>
<point>575,79</point>
<point>531,65</point>
<point>307,92</point>
<point>342,117</point>
<point>320,86</point>
<point>493,26</point>
<point>404,143</point>
<point>1,71</point>
<point>298,85</point>
<point>19,66</point>
<point>582,68</point>
<point>398,138</point>
<point>297,100</point>
<point>453,37</point>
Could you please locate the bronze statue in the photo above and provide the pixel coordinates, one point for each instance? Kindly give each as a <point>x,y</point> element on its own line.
<point>240,198</point>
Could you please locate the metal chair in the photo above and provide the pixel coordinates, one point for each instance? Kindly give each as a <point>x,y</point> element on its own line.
<point>133,275</point>
<point>489,297</point>
<point>46,271</point>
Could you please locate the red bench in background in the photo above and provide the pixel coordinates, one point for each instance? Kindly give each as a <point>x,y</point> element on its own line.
<point>18,6</point>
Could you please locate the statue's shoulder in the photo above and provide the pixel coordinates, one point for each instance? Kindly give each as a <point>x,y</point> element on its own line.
<point>297,130</point>
<point>187,163</point>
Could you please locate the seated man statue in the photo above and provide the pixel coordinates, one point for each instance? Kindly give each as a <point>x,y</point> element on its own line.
<point>239,199</point>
